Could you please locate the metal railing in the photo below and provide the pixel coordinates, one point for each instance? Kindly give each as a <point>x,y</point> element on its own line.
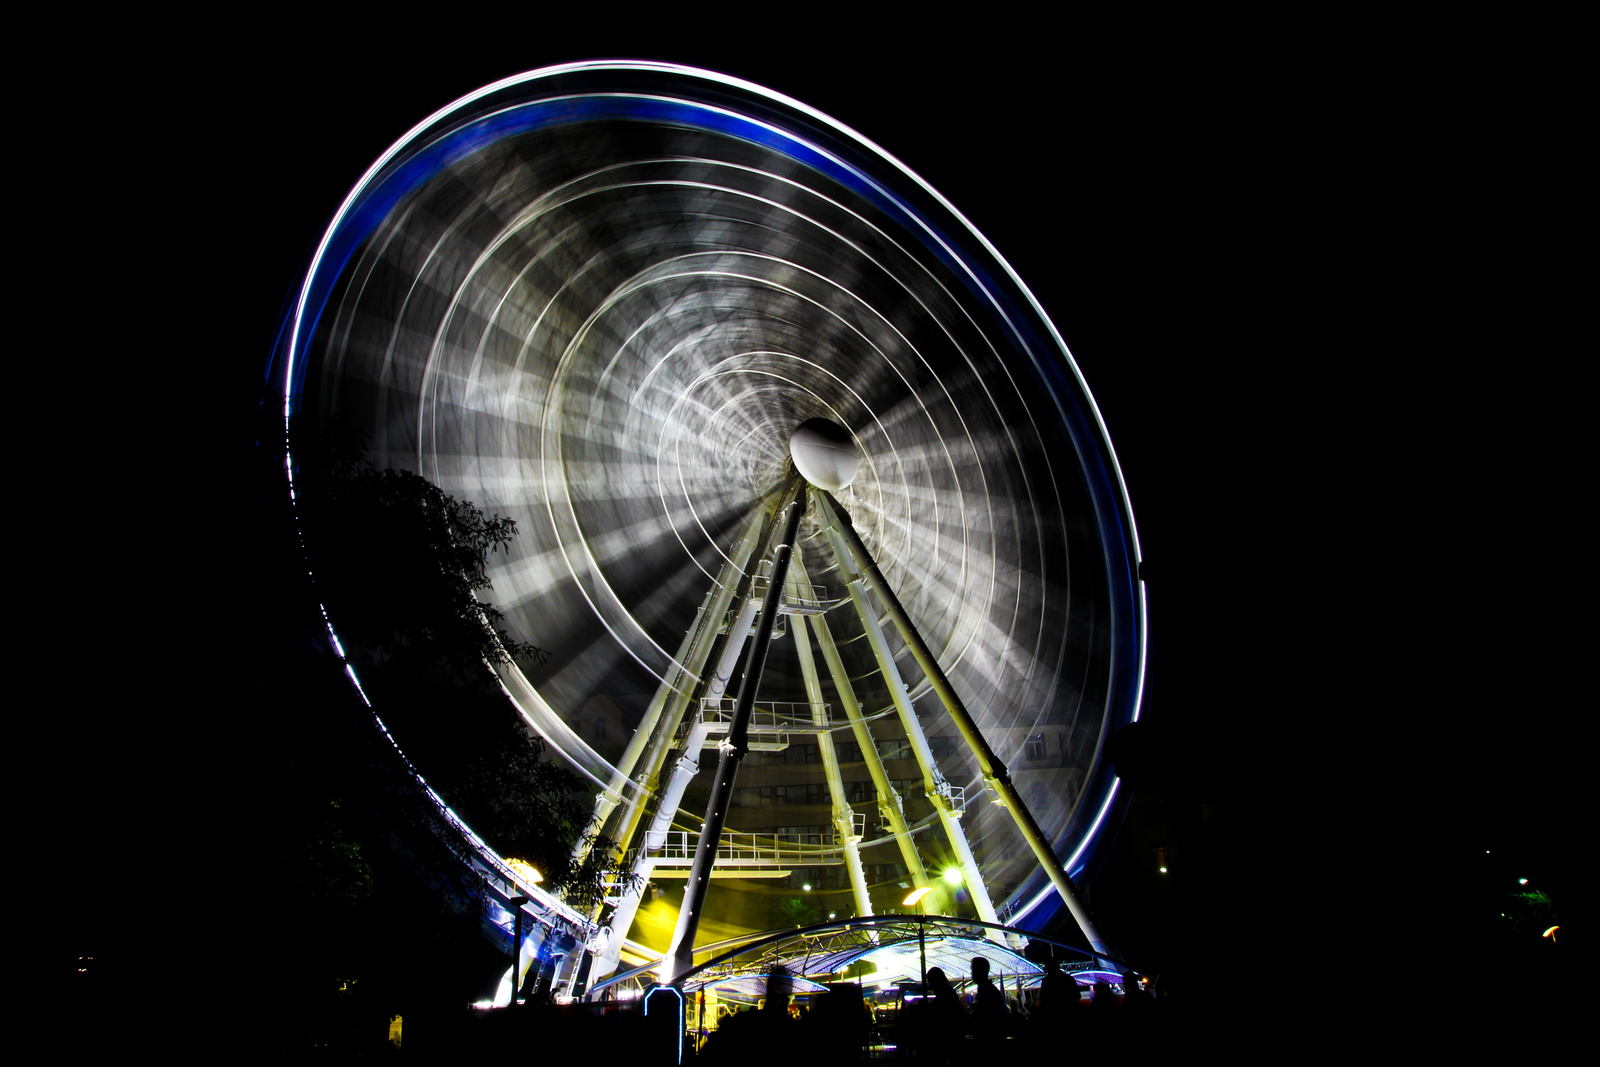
<point>732,616</point>
<point>799,598</point>
<point>771,722</point>
<point>769,716</point>
<point>955,795</point>
<point>738,849</point>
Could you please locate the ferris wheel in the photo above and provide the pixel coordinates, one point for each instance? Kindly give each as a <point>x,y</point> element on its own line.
<point>661,316</point>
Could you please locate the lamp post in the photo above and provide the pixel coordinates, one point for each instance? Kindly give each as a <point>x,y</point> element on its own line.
<point>914,900</point>
<point>516,903</point>
<point>531,873</point>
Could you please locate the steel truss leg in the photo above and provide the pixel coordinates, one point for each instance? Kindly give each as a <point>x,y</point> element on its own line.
<point>995,774</point>
<point>702,638</point>
<point>684,769</point>
<point>843,813</point>
<point>680,957</point>
<point>662,744</point>
<point>933,781</point>
<point>889,803</point>
<point>653,738</point>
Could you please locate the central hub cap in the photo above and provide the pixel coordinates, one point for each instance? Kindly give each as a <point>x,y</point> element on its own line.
<point>825,454</point>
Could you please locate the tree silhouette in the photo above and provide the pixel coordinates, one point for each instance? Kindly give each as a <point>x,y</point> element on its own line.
<point>399,563</point>
<point>401,568</point>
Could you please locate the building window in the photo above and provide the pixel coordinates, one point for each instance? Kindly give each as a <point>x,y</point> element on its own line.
<point>806,835</point>
<point>755,796</point>
<point>899,748</point>
<point>1035,748</point>
<point>801,753</point>
<point>801,877</point>
<point>879,873</point>
<point>810,793</point>
<point>908,788</point>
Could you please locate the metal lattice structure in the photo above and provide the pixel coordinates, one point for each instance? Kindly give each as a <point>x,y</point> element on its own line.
<point>895,945</point>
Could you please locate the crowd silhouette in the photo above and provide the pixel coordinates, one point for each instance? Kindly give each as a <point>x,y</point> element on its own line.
<point>941,1025</point>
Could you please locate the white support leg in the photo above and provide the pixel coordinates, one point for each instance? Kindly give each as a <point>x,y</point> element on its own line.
<point>934,782</point>
<point>847,542</point>
<point>654,735</point>
<point>843,814</point>
<point>684,769</point>
<point>889,803</point>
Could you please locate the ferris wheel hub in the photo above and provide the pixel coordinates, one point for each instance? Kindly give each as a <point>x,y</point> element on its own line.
<point>825,454</point>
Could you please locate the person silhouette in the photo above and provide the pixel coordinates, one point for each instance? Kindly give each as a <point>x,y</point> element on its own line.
<point>988,1006</point>
<point>947,1021</point>
<point>1059,998</point>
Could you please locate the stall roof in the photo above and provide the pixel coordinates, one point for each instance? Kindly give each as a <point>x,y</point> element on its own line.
<point>900,960</point>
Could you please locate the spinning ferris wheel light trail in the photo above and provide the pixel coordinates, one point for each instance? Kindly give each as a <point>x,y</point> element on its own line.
<point>754,394</point>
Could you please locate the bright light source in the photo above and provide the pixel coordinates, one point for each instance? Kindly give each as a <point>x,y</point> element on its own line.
<point>916,895</point>
<point>1522,881</point>
<point>525,869</point>
<point>807,887</point>
<point>953,876</point>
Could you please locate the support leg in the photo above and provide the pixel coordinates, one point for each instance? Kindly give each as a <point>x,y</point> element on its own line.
<point>843,814</point>
<point>680,958</point>
<point>670,699</point>
<point>994,772</point>
<point>938,789</point>
<point>889,804</point>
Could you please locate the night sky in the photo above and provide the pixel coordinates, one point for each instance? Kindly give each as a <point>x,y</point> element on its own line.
<point>1321,294</point>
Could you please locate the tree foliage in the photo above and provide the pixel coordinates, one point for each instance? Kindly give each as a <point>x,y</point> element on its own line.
<point>399,562</point>
<point>528,807</point>
<point>400,566</point>
<point>475,749</point>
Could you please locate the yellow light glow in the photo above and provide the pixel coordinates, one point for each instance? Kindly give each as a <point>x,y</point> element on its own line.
<point>525,869</point>
<point>953,876</point>
<point>916,895</point>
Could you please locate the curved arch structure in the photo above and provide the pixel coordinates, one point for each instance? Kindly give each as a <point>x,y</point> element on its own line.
<point>599,298</point>
<point>893,942</point>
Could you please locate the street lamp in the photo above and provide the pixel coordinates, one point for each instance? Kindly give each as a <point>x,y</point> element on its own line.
<point>912,901</point>
<point>527,870</point>
<point>516,903</point>
<point>531,874</point>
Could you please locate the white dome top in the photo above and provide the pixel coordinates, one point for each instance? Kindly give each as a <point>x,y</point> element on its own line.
<point>824,454</point>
